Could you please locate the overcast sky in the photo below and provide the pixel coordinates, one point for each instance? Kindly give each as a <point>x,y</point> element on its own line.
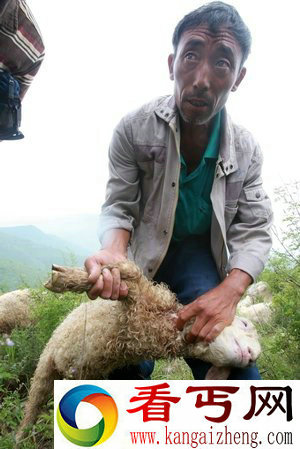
<point>110,58</point>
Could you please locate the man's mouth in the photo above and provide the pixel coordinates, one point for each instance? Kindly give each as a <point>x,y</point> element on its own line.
<point>198,102</point>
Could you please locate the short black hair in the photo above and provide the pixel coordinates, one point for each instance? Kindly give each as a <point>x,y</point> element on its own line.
<point>216,15</point>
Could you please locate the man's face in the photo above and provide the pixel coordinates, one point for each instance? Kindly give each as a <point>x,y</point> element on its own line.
<point>205,69</point>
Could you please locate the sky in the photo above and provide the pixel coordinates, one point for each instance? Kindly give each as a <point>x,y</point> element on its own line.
<point>104,59</point>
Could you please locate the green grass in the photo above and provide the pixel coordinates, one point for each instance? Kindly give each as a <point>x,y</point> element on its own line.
<point>171,370</point>
<point>279,359</point>
<point>17,365</point>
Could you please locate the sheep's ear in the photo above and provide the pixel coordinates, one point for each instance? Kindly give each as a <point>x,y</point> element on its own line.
<point>218,373</point>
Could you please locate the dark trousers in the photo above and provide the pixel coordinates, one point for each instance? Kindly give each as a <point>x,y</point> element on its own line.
<point>190,271</point>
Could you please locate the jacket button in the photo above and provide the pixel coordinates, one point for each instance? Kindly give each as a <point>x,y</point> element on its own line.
<point>231,166</point>
<point>165,232</point>
<point>173,184</point>
<point>257,195</point>
<point>150,270</point>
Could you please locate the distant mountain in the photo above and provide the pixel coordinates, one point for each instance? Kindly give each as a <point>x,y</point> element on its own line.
<point>27,253</point>
<point>76,229</point>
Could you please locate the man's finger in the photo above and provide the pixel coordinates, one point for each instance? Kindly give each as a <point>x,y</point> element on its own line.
<point>116,283</point>
<point>183,316</point>
<point>107,283</point>
<point>123,289</point>
<point>194,333</point>
<point>211,330</point>
<point>93,269</point>
<point>97,288</point>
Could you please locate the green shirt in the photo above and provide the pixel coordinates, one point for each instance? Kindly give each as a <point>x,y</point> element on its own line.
<point>194,208</point>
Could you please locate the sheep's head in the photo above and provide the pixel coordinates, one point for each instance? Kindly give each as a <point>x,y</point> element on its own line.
<point>236,346</point>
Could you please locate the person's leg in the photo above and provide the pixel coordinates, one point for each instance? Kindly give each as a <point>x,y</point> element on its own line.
<point>199,371</point>
<point>190,271</point>
<point>141,371</point>
<point>249,373</point>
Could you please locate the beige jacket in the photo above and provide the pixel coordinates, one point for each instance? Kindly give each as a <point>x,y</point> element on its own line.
<point>142,191</point>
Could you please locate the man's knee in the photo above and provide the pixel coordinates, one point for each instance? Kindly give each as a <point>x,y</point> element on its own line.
<point>141,371</point>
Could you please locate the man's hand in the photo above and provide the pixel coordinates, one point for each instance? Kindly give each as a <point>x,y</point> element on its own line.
<point>107,283</point>
<point>215,309</point>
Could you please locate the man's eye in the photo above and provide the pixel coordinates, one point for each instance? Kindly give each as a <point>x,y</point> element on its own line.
<point>190,56</point>
<point>223,64</point>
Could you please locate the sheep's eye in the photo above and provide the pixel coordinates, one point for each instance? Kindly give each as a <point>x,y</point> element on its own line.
<point>245,323</point>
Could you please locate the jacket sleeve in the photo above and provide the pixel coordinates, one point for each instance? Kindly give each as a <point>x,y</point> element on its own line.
<point>121,206</point>
<point>21,42</point>
<point>249,236</point>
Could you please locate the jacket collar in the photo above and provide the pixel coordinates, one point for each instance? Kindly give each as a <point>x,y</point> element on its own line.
<point>227,161</point>
<point>166,108</point>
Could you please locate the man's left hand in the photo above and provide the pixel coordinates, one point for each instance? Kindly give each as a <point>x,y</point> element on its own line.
<point>215,309</point>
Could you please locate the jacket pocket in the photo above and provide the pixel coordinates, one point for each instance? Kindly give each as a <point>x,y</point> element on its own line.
<point>258,202</point>
<point>256,194</point>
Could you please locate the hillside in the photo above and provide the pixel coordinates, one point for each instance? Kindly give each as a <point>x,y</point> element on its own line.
<point>27,253</point>
<point>74,228</point>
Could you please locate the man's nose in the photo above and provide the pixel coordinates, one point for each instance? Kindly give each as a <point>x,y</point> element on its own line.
<point>202,77</point>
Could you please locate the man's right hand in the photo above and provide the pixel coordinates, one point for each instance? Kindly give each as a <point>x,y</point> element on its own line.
<point>107,283</point>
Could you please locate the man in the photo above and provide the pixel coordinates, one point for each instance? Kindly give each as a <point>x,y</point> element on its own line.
<point>21,55</point>
<point>185,190</point>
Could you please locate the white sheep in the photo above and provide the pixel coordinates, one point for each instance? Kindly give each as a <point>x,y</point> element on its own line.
<point>260,291</point>
<point>258,312</point>
<point>100,336</point>
<point>14,310</point>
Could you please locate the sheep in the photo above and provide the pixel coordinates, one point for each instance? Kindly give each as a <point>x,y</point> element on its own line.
<point>15,305</point>
<point>260,313</point>
<point>14,310</point>
<point>256,294</point>
<point>102,335</point>
<point>257,312</point>
<point>260,290</point>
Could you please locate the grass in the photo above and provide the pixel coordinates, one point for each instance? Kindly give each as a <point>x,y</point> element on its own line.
<point>279,360</point>
<point>171,370</point>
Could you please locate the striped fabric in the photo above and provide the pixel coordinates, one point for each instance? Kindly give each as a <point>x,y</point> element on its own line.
<point>21,44</point>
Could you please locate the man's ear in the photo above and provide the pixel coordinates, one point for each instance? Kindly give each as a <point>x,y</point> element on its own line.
<point>171,64</point>
<point>239,79</point>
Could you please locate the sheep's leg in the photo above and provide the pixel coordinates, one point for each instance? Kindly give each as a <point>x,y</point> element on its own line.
<point>68,279</point>
<point>41,388</point>
<point>76,279</point>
